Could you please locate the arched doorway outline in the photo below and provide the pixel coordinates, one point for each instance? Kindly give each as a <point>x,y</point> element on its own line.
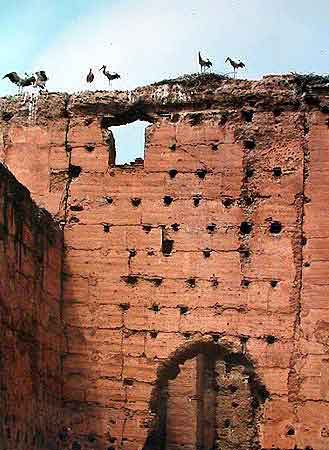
<point>220,349</point>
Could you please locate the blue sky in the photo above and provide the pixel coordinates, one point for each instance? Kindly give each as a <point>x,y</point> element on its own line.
<point>148,40</point>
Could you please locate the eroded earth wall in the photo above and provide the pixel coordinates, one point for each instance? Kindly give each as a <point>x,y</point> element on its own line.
<point>216,245</point>
<point>30,315</point>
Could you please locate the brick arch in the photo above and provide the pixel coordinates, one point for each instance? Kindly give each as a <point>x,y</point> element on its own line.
<point>215,358</point>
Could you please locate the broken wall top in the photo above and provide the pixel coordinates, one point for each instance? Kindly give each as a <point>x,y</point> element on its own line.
<point>193,92</point>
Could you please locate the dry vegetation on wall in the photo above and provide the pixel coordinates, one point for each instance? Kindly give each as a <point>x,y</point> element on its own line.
<point>194,281</point>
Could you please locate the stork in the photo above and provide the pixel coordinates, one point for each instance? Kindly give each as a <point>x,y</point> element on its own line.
<point>109,76</point>
<point>41,79</point>
<point>90,76</point>
<point>235,65</point>
<point>19,81</point>
<point>204,64</point>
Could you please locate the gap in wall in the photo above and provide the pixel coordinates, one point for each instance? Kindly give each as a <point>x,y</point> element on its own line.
<point>129,141</point>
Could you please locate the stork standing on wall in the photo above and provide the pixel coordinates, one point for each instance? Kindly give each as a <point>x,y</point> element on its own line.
<point>38,81</point>
<point>41,79</point>
<point>109,76</point>
<point>204,64</point>
<point>90,76</point>
<point>19,81</point>
<point>235,65</point>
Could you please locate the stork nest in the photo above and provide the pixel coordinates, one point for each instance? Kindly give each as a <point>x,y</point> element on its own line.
<point>303,81</point>
<point>194,79</point>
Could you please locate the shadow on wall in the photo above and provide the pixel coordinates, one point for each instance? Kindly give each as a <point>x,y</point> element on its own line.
<point>206,397</point>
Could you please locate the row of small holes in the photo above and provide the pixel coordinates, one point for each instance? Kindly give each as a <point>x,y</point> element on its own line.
<point>167,200</point>
<point>276,172</point>
<point>245,228</point>
<point>191,282</point>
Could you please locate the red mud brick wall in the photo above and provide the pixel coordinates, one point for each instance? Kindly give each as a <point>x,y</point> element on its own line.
<point>31,330</point>
<point>227,257</point>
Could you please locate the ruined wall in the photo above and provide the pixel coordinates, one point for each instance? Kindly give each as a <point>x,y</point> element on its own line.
<point>31,331</point>
<point>217,244</point>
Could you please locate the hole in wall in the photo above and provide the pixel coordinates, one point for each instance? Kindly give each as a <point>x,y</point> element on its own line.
<point>245,283</point>
<point>74,171</point>
<point>196,200</point>
<point>290,432</point>
<point>247,116</point>
<point>90,147</point>
<point>277,172</point>
<point>274,283</point>
<point>172,146</point>
<point>167,247</point>
<point>303,241</point>
<point>227,202</point>
<point>167,200</point>
<point>227,423</point>
<point>131,279</point>
<point>109,200</point>
<point>175,226</point>
<point>7,116</point>
<point>214,146</point>
<point>249,144</point>
<point>147,228</point>
<point>211,227</point>
<point>153,334</point>
<point>195,119</point>
<point>271,339</point>
<point>214,281</point>
<point>132,252</point>
<point>224,118</point>
<point>277,112</point>
<point>244,252</point>
<point>206,252</point>
<point>201,173</point>
<point>136,202</point>
<point>183,310</point>
<point>275,227</point>
<point>172,173</point>
<point>106,228</point>
<point>124,306</point>
<point>155,307</point>
<point>175,117</point>
<point>76,207</point>
<point>129,142</point>
<point>245,228</point>
<point>249,172</point>
<point>88,121</point>
<point>248,201</point>
<point>191,282</point>
<point>307,264</point>
<point>156,281</point>
<point>128,382</point>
